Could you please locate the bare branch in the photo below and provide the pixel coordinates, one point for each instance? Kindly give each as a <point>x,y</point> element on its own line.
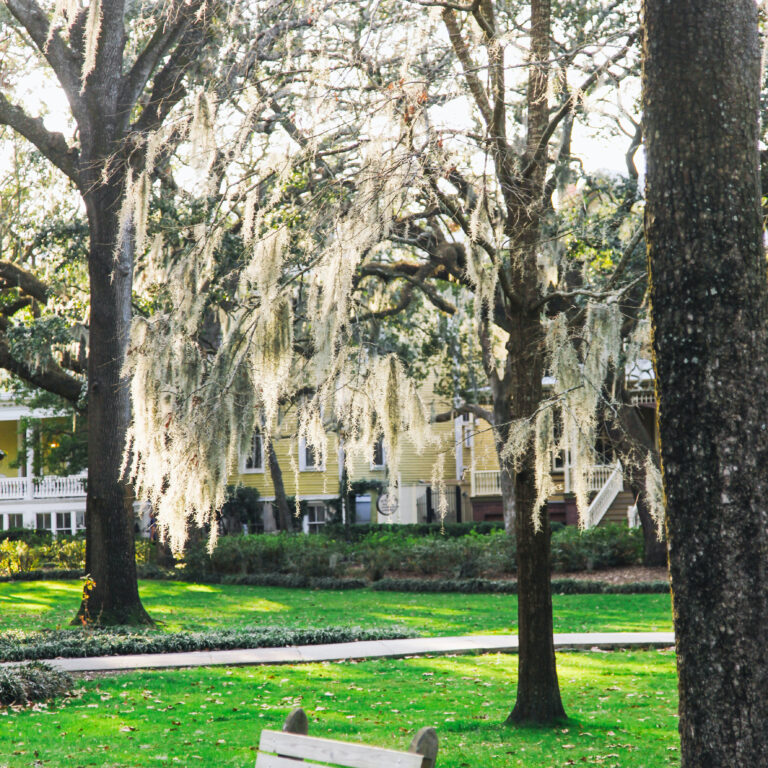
<point>51,144</point>
<point>164,38</point>
<point>57,53</point>
<point>462,54</point>
<point>475,410</point>
<point>567,106</point>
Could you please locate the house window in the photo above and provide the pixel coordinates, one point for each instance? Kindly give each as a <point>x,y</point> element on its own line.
<point>16,521</point>
<point>80,520</point>
<point>43,521</point>
<point>468,429</point>
<point>63,521</point>
<point>379,456</point>
<point>308,458</point>
<point>254,459</point>
<point>317,516</point>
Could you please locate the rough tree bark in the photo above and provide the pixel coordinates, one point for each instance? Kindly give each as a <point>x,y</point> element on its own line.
<point>709,313</point>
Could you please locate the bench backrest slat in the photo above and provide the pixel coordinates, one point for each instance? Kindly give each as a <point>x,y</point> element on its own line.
<point>338,752</point>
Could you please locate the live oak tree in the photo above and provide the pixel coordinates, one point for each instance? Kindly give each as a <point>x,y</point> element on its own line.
<point>702,76</point>
<point>126,70</point>
<point>365,171</point>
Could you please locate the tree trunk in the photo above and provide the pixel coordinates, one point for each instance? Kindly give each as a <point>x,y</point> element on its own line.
<point>538,693</point>
<point>111,553</point>
<point>709,299</point>
<point>283,518</point>
<point>633,443</point>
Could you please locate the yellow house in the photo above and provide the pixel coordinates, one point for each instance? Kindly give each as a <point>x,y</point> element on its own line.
<point>31,497</point>
<point>470,489</point>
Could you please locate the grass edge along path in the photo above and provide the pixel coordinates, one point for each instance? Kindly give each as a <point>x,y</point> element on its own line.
<point>622,708</point>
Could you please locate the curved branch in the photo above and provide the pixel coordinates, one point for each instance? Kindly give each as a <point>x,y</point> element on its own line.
<point>16,277</point>
<point>51,144</point>
<point>53,379</point>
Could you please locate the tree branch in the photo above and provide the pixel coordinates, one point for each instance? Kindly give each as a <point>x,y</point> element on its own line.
<point>468,67</point>
<point>16,277</point>
<point>136,79</point>
<point>475,410</point>
<point>567,106</point>
<point>51,144</point>
<point>52,379</point>
<point>57,53</point>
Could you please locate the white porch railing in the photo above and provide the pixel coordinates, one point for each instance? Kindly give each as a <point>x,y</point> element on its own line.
<point>486,483</point>
<point>47,487</point>
<point>609,490</point>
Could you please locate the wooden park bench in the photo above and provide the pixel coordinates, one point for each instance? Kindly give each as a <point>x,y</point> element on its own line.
<point>291,747</point>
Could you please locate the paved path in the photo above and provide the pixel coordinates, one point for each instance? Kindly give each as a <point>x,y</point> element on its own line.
<point>369,649</point>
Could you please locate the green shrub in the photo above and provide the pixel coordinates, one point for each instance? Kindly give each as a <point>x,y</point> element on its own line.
<point>596,548</point>
<point>561,586</point>
<point>31,536</point>
<point>449,530</point>
<point>37,575</point>
<point>27,683</point>
<point>117,641</point>
<point>16,557</point>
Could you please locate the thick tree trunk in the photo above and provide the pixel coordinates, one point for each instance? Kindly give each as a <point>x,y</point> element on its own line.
<point>110,545</point>
<point>283,517</point>
<point>709,299</point>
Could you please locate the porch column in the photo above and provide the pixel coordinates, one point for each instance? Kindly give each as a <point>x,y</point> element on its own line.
<point>29,490</point>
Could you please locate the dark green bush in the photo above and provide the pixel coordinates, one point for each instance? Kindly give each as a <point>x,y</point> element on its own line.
<point>117,641</point>
<point>449,530</point>
<point>560,586</point>
<point>27,683</point>
<point>31,536</point>
<point>39,574</point>
<point>605,546</point>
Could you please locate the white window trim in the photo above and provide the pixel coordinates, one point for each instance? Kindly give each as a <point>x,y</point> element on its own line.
<point>255,470</point>
<point>303,458</point>
<point>383,466</point>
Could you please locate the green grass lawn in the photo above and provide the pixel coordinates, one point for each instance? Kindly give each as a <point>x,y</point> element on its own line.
<point>48,604</point>
<point>621,706</point>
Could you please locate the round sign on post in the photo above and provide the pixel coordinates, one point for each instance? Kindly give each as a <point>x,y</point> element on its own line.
<point>386,504</point>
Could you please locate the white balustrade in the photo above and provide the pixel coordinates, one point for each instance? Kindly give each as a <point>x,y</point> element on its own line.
<point>486,483</point>
<point>12,488</point>
<point>609,490</point>
<point>47,487</point>
<point>53,487</point>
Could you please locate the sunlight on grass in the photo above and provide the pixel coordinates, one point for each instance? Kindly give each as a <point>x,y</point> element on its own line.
<point>179,605</point>
<point>621,707</point>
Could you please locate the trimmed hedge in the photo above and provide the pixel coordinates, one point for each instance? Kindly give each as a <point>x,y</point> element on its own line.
<point>121,641</point>
<point>28,683</point>
<point>559,586</point>
<point>450,530</point>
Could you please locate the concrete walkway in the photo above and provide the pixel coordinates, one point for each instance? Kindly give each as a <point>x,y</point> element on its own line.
<point>369,649</point>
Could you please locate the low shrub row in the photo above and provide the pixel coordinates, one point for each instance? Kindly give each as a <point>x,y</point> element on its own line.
<point>116,641</point>
<point>27,683</point>
<point>391,552</point>
<point>294,559</point>
<point>45,574</point>
<point>451,530</point>
<point>489,586</point>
